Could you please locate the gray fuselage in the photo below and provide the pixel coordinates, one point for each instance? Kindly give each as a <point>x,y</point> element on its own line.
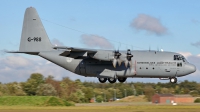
<point>149,64</point>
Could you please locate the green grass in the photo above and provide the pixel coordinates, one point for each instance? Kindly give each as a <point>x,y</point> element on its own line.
<point>142,108</point>
<point>33,101</point>
<point>55,104</point>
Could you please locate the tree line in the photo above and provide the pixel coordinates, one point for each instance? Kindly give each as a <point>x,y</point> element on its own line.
<point>82,92</point>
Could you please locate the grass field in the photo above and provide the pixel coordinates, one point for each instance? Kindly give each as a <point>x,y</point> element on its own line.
<point>32,101</point>
<point>54,104</point>
<point>106,107</point>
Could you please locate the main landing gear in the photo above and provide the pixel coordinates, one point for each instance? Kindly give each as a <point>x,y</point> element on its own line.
<point>112,80</point>
<point>102,80</point>
<point>173,80</point>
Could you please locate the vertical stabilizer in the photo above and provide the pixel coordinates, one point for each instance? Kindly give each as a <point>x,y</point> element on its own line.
<point>33,37</point>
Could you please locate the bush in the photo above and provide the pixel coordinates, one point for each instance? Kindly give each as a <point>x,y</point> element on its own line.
<point>69,103</point>
<point>197,100</point>
<point>55,101</point>
<point>99,99</point>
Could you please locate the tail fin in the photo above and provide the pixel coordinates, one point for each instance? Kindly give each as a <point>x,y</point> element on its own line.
<point>33,37</point>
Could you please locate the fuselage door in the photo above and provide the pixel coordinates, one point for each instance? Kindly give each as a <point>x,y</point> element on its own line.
<point>82,68</point>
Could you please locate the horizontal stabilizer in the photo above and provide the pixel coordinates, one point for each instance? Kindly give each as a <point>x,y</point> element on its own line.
<point>32,52</point>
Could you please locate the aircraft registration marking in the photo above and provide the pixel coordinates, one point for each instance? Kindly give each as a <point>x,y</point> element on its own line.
<point>35,39</point>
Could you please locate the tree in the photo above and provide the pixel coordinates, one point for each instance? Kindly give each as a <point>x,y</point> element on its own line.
<point>4,89</point>
<point>55,84</point>
<point>99,98</point>
<point>30,87</point>
<point>46,90</point>
<point>88,91</point>
<point>77,96</point>
<point>15,89</point>
<point>149,92</point>
<point>165,90</point>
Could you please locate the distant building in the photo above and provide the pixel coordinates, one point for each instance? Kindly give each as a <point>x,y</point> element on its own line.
<point>93,100</point>
<point>169,98</point>
<point>162,98</point>
<point>184,98</point>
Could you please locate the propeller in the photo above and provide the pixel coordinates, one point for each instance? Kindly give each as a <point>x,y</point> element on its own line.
<point>128,58</point>
<point>116,59</point>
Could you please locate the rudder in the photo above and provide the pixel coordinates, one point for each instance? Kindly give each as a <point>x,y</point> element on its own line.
<point>33,37</point>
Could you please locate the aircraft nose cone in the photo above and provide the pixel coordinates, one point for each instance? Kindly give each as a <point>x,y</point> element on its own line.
<point>191,68</point>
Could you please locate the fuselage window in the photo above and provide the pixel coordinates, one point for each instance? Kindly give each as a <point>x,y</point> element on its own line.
<point>179,64</point>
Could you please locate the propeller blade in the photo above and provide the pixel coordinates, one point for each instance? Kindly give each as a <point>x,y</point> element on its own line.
<point>126,63</point>
<point>114,63</point>
<point>119,62</point>
<point>130,63</point>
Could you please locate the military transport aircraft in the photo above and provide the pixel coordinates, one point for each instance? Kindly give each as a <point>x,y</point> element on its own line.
<point>103,64</point>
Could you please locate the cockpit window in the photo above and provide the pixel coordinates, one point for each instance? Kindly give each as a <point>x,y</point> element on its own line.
<point>180,57</point>
<point>176,57</point>
<point>184,60</point>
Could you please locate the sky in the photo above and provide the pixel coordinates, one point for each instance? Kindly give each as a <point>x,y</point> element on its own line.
<point>171,25</point>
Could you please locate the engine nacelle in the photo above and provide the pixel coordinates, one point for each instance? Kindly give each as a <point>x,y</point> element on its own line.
<point>103,55</point>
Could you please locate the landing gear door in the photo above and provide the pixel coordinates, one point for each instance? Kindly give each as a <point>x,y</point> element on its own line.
<point>82,68</point>
<point>177,72</point>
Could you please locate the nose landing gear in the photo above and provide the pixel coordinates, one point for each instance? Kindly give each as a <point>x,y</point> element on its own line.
<point>173,80</point>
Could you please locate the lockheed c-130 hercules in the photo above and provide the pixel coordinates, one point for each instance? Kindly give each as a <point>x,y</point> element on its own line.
<point>103,64</point>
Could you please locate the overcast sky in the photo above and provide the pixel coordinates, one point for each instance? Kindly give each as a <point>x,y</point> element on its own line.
<point>172,25</point>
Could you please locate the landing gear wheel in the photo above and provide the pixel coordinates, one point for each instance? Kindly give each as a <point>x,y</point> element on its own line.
<point>122,79</point>
<point>102,80</point>
<point>112,80</point>
<point>173,80</point>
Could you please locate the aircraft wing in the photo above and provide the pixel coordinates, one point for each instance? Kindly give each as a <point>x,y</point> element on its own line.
<point>75,49</point>
<point>74,52</point>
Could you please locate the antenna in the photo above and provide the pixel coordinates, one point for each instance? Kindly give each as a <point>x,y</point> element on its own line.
<point>119,45</point>
<point>132,47</point>
<point>161,49</point>
<point>149,48</point>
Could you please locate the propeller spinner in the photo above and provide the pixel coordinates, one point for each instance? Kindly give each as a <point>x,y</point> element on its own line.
<point>128,58</point>
<point>116,59</point>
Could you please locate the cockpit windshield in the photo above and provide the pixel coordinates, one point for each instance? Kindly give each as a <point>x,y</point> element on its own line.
<point>180,57</point>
